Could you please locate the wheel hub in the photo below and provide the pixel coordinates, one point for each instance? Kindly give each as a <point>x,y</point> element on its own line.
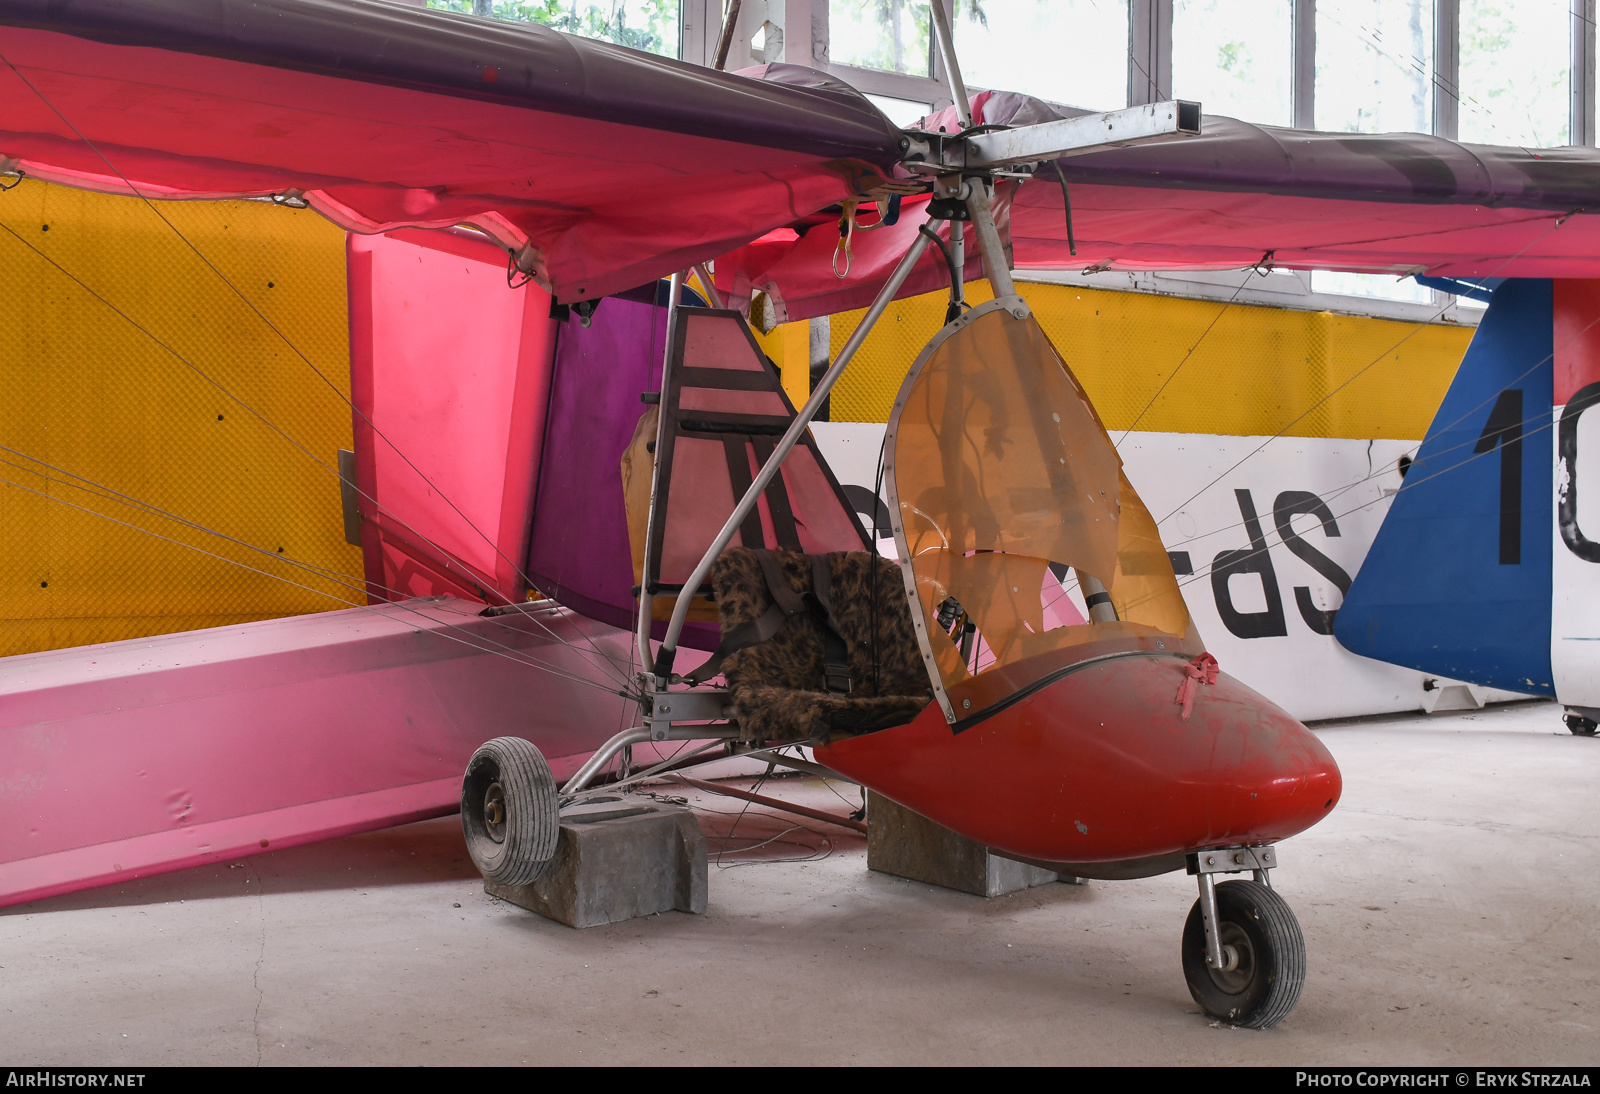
<point>494,812</point>
<point>1239,965</point>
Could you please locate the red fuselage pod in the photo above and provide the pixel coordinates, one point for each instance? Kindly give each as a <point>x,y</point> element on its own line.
<point>1096,764</point>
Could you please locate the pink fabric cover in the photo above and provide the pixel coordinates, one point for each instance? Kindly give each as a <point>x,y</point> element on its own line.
<point>133,758</point>
<point>1146,228</point>
<point>450,367</point>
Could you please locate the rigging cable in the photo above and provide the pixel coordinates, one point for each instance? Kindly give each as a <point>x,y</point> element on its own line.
<point>1215,319</point>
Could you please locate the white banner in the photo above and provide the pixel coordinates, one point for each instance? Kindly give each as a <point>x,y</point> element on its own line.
<point>1265,535</point>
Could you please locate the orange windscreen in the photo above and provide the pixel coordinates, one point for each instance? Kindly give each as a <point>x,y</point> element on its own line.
<point>1001,468</point>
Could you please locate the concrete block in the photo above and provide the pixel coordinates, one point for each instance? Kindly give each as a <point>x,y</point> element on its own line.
<point>909,845</point>
<point>618,860</point>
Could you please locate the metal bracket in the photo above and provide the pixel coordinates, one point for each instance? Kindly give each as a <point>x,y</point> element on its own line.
<point>669,707</point>
<point>914,149</point>
<point>1233,860</point>
<point>1075,136</point>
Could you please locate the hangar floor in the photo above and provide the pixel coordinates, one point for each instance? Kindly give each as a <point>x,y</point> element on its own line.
<point>1451,907</point>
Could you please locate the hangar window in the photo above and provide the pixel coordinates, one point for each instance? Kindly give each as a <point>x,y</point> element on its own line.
<point>1374,66</point>
<point>1477,70</point>
<point>887,35</point>
<point>1515,86</point>
<point>1376,286</point>
<point>649,25</point>
<point>903,112</point>
<point>1489,71</point>
<point>1018,45</point>
<point>1235,57</point>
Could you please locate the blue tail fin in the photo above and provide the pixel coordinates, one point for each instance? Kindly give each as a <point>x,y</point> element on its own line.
<point>1458,579</point>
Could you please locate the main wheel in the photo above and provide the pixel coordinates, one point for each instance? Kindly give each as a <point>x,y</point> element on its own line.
<point>1268,951</point>
<point>510,814</point>
<point>1580,725</point>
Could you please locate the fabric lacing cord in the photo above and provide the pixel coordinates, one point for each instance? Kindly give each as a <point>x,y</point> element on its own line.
<point>1202,670</point>
<point>786,603</point>
<point>847,231</point>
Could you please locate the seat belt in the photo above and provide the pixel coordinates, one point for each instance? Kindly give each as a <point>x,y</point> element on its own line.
<point>786,603</point>
<point>835,654</point>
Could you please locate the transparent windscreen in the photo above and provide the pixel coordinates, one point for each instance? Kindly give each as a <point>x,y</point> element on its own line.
<point>1010,495</point>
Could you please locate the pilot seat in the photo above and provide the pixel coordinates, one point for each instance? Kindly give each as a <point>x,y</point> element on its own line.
<point>815,647</point>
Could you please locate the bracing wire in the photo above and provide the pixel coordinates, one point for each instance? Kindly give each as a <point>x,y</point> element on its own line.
<point>1215,319</point>
<point>1410,483</point>
<point>282,336</point>
<point>348,581</point>
<point>1558,222</point>
<point>1416,477</point>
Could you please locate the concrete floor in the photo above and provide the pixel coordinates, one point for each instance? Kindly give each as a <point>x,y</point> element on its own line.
<point>1451,907</point>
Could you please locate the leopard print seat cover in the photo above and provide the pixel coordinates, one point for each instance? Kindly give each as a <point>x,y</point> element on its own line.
<point>777,686</point>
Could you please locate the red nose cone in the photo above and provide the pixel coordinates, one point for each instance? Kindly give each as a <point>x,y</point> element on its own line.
<point>1099,765</point>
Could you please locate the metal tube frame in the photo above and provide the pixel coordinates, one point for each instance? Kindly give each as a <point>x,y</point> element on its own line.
<point>607,752</point>
<point>1258,862</point>
<point>958,261</point>
<point>1217,955</point>
<point>713,295</point>
<point>796,764</point>
<point>594,765</point>
<point>952,68</point>
<point>646,601</point>
<point>999,274</point>
<point>680,610</point>
<point>995,266</point>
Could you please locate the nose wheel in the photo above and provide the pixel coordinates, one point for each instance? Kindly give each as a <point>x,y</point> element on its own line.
<point>1243,954</point>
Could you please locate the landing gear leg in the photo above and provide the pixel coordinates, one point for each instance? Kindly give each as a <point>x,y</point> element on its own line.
<point>1243,954</point>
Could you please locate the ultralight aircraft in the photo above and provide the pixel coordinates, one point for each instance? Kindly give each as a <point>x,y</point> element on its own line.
<point>1025,672</point>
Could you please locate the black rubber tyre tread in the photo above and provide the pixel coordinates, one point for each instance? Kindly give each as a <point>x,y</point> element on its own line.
<point>533,811</point>
<point>1580,726</point>
<point>1280,956</point>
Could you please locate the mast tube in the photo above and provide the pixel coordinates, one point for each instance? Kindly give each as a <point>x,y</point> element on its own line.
<point>646,605</point>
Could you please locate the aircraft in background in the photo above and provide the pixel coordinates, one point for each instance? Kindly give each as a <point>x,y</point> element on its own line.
<point>1483,569</point>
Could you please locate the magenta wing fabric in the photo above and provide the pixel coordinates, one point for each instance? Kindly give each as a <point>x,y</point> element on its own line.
<point>610,166</point>
<point>1237,195</point>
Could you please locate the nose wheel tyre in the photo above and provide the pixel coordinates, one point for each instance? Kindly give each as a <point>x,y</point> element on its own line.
<point>1265,951</point>
<point>1580,725</point>
<point>510,814</point>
